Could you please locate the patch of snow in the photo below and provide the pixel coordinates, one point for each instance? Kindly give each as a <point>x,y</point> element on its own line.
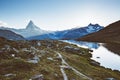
<point>90,29</point>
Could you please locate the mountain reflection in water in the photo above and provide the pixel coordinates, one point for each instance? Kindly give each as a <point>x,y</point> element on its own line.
<point>113,48</point>
<point>90,45</point>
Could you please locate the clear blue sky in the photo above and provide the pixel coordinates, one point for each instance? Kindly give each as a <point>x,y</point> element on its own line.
<point>58,14</point>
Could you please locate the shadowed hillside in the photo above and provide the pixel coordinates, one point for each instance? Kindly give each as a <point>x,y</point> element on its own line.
<point>10,35</point>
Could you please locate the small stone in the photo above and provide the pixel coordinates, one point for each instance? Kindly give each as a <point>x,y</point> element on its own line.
<point>39,44</point>
<point>97,57</point>
<point>37,77</point>
<point>10,74</point>
<point>95,63</point>
<point>50,58</point>
<point>56,74</point>
<point>15,50</point>
<point>90,50</point>
<point>13,55</point>
<point>33,61</point>
<point>65,67</point>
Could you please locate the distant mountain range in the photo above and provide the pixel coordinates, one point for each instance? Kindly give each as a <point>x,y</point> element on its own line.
<point>110,34</point>
<point>10,35</point>
<point>30,30</point>
<point>69,34</point>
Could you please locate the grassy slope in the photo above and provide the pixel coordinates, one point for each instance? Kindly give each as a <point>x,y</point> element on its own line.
<point>49,68</point>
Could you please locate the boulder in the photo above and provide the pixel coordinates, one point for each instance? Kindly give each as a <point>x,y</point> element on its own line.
<point>37,77</point>
<point>94,63</point>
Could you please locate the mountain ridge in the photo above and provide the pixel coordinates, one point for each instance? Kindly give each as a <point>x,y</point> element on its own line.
<point>34,32</point>
<point>110,34</point>
<point>70,33</point>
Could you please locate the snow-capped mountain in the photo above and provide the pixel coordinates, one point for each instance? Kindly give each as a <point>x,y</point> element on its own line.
<point>93,27</point>
<point>69,34</point>
<point>79,32</point>
<point>31,26</point>
<point>10,35</point>
<point>30,30</point>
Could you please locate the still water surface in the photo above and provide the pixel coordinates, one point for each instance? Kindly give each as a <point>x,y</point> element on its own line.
<point>106,58</point>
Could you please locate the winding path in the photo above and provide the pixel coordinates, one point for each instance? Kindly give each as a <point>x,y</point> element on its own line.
<point>68,66</point>
<point>63,73</point>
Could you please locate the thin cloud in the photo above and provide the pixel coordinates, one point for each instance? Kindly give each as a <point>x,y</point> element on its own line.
<point>3,23</point>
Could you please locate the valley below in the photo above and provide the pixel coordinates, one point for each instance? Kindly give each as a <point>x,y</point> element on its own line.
<point>49,60</point>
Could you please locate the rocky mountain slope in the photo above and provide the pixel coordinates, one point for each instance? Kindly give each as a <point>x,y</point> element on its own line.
<point>49,60</point>
<point>10,35</point>
<point>69,34</point>
<point>110,34</point>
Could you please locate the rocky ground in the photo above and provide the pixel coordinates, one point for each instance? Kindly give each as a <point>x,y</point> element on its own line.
<point>49,60</point>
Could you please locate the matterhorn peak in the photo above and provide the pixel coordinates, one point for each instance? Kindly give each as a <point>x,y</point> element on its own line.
<point>31,25</point>
<point>31,22</point>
